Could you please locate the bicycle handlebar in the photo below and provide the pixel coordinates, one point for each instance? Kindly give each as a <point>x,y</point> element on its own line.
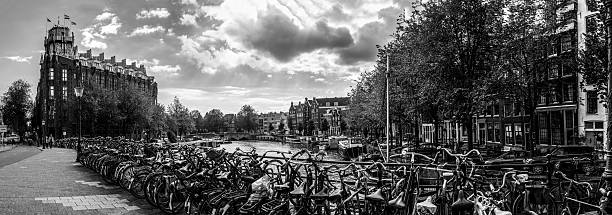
<point>562,175</point>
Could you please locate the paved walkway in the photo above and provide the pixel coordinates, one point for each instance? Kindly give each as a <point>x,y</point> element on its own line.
<point>50,182</point>
<point>6,147</point>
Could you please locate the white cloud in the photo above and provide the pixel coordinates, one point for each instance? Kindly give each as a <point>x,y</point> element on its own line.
<point>18,59</point>
<point>105,16</point>
<point>189,2</point>
<point>89,39</point>
<point>164,70</point>
<point>146,29</point>
<point>158,12</point>
<point>154,68</point>
<point>112,27</point>
<point>320,80</point>
<point>188,19</point>
<point>107,23</point>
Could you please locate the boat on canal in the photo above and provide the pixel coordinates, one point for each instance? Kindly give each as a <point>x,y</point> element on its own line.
<point>292,139</point>
<point>351,147</point>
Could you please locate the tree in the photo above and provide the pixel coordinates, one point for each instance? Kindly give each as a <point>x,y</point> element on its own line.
<point>343,126</point>
<point>311,127</point>
<point>270,127</point>
<point>246,119</point>
<point>213,120</point>
<point>325,126</point>
<point>300,128</point>
<point>16,104</point>
<point>180,115</point>
<point>281,127</point>
<point>133,109</point>
<point>199,122</point>
<point>157,117</point>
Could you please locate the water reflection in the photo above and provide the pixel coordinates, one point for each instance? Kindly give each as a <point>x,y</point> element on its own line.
<point>263,146</point>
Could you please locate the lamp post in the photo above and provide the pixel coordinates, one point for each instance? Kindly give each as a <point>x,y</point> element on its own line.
<point>606,199</point>
<point>78,91</point>
<point>387,126</point>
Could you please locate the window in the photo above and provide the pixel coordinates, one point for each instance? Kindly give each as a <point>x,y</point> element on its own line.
<point>508,109</point>
<point>518,132</point>
<point>598,125</point>
<point>554,95</point>
<point>51,92</point>
<point>327,104</point>
<point>593,5</point>
<point>509,134</point>
<point>64,93</point>
<point>553,71</point>
<point>64,75</point>
<point>566,43</point>
<point>568,93</point>
<point>592,102</point>
<point>543,125</point>
<point>542,97</point>
<point>51,75</point>
<point>335,103</point>
<point>588,125</point>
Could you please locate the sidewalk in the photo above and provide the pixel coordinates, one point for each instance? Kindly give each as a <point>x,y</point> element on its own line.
<point>50,182</point>
<point>6,147</point>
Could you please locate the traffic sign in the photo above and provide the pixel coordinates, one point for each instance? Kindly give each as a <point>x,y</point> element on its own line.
<point>3,128</point>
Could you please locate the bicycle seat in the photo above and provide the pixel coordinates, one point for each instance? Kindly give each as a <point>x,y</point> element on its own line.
<point>282,187</point>
<point>321,194</point>
<point>398,202</point>
<point>248,179</point>
<point>298,191</point>
<point>335,194</point>
<point>447,175</point>
<point>377,196</point>
<point>223,176</point>
<point>497,211</point>
<point>462,204</point>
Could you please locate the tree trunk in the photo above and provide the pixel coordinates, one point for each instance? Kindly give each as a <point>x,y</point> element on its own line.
<point>436,132</point>
<point>469,128</point>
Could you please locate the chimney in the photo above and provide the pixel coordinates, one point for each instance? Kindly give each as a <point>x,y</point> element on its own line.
<point>101,56</point>
<point>113,59</point>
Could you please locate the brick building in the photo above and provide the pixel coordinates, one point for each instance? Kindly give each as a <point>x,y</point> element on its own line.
<point>63,68</point>
<point>306,118</point>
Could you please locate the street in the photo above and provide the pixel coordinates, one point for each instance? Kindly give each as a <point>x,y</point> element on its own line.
<point>50,182</point>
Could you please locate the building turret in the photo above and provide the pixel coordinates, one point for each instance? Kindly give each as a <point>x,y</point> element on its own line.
<point>60,41</point>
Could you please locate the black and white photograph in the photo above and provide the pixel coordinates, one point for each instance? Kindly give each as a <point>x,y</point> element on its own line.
<point>305,107</point>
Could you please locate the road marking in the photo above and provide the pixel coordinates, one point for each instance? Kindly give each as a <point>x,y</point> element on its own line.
<point>91,202</point>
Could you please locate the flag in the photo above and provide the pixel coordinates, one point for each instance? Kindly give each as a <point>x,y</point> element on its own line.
<point>48,20</point>
<point>73,23</point>
<point>66,16</point>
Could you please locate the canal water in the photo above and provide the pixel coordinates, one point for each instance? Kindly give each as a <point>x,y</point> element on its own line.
<point>263,146</point>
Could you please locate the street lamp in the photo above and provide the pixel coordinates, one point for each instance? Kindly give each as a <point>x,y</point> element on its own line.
<point>78,91</point>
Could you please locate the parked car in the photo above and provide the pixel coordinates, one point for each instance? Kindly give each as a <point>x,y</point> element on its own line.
<point>567,158</point>
<point>571,159</point>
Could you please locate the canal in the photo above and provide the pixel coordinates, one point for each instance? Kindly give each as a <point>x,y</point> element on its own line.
<point>263,146</point>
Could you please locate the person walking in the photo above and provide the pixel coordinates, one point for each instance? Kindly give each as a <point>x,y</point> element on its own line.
<point>51,142</point>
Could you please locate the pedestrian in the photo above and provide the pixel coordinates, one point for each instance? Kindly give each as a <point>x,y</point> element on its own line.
<point>51,142</point>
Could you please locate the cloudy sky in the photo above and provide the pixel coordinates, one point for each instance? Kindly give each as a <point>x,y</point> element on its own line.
<point>213,53</point>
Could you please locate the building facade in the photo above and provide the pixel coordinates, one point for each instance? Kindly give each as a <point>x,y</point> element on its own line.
<point>306,118</point>
<point>568,111</point>
<point>63,68</point>
<point>273,120</point>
